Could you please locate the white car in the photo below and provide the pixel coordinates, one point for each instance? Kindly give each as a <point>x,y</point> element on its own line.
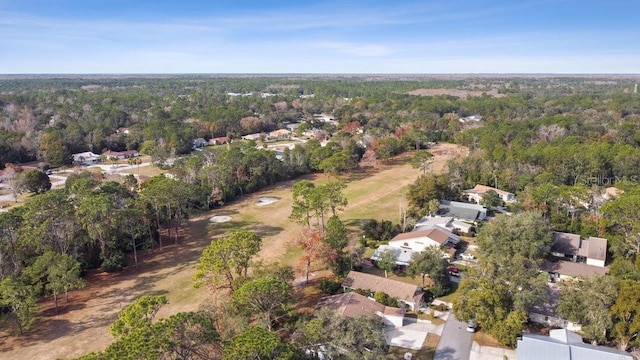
<point>471,326</point>
<point>467,256</point>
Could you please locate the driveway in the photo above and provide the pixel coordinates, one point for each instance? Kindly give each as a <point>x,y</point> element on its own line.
<point>455,341</point>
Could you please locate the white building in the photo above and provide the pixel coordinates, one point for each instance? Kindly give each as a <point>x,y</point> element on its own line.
<point>478,192</point>
<point>446,222</point>
<point>85,158</point>
<point>419,240</point>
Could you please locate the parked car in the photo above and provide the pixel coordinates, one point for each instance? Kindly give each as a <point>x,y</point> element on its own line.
<point>471,326</point>
<point>467,256</point>
<point>453,270</point>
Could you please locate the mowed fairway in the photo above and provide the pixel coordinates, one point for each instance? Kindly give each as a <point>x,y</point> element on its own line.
<point>82,324</point>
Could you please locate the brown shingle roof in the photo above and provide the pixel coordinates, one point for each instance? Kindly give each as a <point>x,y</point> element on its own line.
<point>482,189</point>
<point>573,269</point>
<point>597,248</point>
<point>351,304</point>
<point>565,243</point>
<point>572,245</point>
<point>393,288</point>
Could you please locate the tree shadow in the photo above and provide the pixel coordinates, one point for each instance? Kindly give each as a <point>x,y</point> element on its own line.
<point>63,308</point>
<point>447,353</point>
<point>263,230</point>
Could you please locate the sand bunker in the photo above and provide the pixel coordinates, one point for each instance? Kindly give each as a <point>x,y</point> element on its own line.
<point>266,201</point>
<point>220,219</point>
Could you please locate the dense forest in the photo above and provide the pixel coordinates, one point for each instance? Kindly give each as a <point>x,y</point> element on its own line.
<point>556,142</point>
<point>48,119</point>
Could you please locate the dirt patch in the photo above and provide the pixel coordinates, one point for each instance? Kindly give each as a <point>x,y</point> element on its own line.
<point>463,94</point>
<point>266,200</point>
<point>220,219</point>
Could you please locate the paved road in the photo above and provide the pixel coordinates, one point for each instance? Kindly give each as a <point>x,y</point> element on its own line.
<point>455,341</point>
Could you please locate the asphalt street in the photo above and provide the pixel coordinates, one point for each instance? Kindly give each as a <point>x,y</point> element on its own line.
<point>455,341</point>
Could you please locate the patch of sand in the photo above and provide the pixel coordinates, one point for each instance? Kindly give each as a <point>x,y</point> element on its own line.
<point>220,219</point>
<point>266,200</point>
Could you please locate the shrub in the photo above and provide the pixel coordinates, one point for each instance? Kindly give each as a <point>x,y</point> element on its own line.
<point>385,299</point>
<point>330,287</point>
<point>115,261</point>
<point>381,297</point>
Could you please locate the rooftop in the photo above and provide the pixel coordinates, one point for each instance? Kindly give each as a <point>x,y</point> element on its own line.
<point>461,210</point>
<point>396,289</point>
<point>573,269</point>
<point>351,304</point>
<point>562,344</point>
<point>572,245</point>
<point>403,256</point>
<point>435,233</point>
<point>481,189</point>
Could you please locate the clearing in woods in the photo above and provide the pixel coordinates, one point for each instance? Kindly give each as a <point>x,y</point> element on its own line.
<point>81,325</point>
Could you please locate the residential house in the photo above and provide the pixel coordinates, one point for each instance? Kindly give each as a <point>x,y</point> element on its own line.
<point>478,192</point>
<point>199,143</point>
<point>351,304</point>
<point>325,118</point>
<point>562,344</point>
<point>470,119</point>
<point>219,140</point>
<point>567,270</point>
<point>293,127</point>
<point>402,255</point>
<point>576,257</point>
<point>254,137</point>
<point>546,313</point>
<point>408,294</point>
<point>592,251</point>
<point>419,240</point>
<point>121,154</point>
<point>409,335</point>
<point>85,158</point>
<point>446,222</point>
<point>462,211</point>
<point>280,134</point>
<point>316,134</point>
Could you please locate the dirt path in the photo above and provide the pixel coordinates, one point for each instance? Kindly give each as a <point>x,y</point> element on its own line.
<point>81,326</point>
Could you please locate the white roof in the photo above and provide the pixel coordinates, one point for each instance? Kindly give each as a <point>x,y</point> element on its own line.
<point>403,255</point>
<point>562,344</point>
<point>87,155</point>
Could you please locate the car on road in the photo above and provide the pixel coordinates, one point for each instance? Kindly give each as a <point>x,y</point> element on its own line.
<point>453,270</point>
<point>467,256</point>
<point>471,326</point>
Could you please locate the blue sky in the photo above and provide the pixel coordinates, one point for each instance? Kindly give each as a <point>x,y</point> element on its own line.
<point>429,36</point>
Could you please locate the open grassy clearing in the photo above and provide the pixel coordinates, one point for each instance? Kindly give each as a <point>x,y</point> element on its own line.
<point>82,324</point>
